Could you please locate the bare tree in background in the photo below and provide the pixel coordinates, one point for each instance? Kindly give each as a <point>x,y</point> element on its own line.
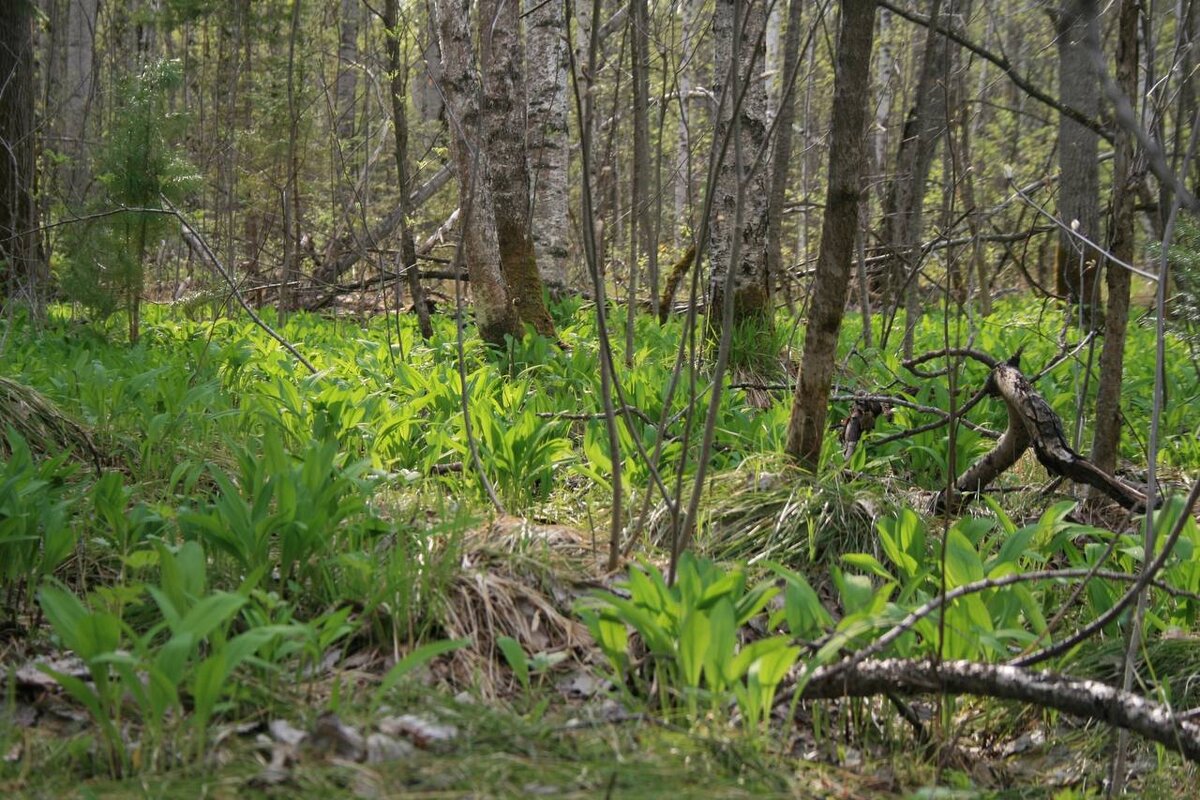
<point>847,157</point>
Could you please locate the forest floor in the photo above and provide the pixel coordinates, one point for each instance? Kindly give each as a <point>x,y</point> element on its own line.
<point>225,577</point>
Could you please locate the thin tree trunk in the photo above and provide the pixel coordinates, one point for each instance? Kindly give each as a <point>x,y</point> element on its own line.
<point>549,150</point>
<point>904,206</point>
<point>847,157</point>
<point>408,250</point>
<point>501,58</point>
<point>291,199</point>
<point>642,231</point>
<point>494,313</point>
<point>1107,438</point>
<point>347,75</point>
<point>737,32</point>
<point>781,156</point>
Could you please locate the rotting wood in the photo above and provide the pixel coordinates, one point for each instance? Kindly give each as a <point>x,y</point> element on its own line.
<point>1031,421</point>
<point>676,274</point>
<point>863,413</point>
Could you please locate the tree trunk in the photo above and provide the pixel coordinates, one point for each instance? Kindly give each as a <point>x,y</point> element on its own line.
<point>847,156</point>
<point>494,314</point>
<point>347,75</point>
<point>1079,183</point>
<point>548,147</point>
<point>683,153</point>
<point>781,156</point>
<point>408,250</point>
<point>21,271</point>
<point>905,201</point>
<point>77,98</point>
<point>1106,441</point>
<point>642,231</point>
<point>737,31</point>
<point>501,57</point>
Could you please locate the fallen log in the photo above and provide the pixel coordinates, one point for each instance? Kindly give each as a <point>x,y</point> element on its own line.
<point>1031,421</point>
<point>1082,698</point>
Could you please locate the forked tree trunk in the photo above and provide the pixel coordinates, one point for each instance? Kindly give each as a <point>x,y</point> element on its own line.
<point>1106,441</point>
<point>847,156</point>
<point>494,314</point>
<point>548,148</point>
<point>501,57</point>
<point>737,38</point>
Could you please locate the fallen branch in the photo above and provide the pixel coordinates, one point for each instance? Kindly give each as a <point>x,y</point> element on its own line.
<point>1031,421</point>
<point>1083,698</point>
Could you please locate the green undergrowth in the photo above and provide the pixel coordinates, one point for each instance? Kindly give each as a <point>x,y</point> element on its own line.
<point>211,531</point>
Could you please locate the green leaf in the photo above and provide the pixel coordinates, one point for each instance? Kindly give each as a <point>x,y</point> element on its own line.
<point>518,662</point>
<point>418,657</point>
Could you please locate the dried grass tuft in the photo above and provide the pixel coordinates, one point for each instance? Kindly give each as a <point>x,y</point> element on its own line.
<point>518,579</point>
<point>46,429</point>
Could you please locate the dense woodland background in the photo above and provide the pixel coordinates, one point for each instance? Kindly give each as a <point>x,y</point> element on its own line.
<point>618,271</point>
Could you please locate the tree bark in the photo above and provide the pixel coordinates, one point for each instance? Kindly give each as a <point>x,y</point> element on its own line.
<point>548,147</point>
<point>847,156</point>
<point>737,32</point>
<point>408,250</point>
<point>1106,441</point>
<point>642,231</point>
<point>1079,186</point>
<point>903,208</point>
<point>1088,699</point>
<point>77,98</point>
<point>21,271</point>
<point>494,313</point>
<point>501,58</point>
<point>781,155</point>
<point>347,75</point>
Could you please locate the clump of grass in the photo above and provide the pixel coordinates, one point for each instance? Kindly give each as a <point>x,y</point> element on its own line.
<point>766,509</point>
<point>506,589</point>
<point>46,429</point>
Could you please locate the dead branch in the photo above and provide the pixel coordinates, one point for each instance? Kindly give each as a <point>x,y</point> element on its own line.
<point>1083,698</point>
<point>1031,421</point>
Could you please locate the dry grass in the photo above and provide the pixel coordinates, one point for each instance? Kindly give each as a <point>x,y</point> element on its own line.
<point>518,579</point>
<point>46,429</point>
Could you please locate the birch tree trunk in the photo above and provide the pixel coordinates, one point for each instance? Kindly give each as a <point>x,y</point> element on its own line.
<point>847,157</point>
<point>737,30</point>
<point>547,144</point>
<point>501,58</point>
<point>460,84</point>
